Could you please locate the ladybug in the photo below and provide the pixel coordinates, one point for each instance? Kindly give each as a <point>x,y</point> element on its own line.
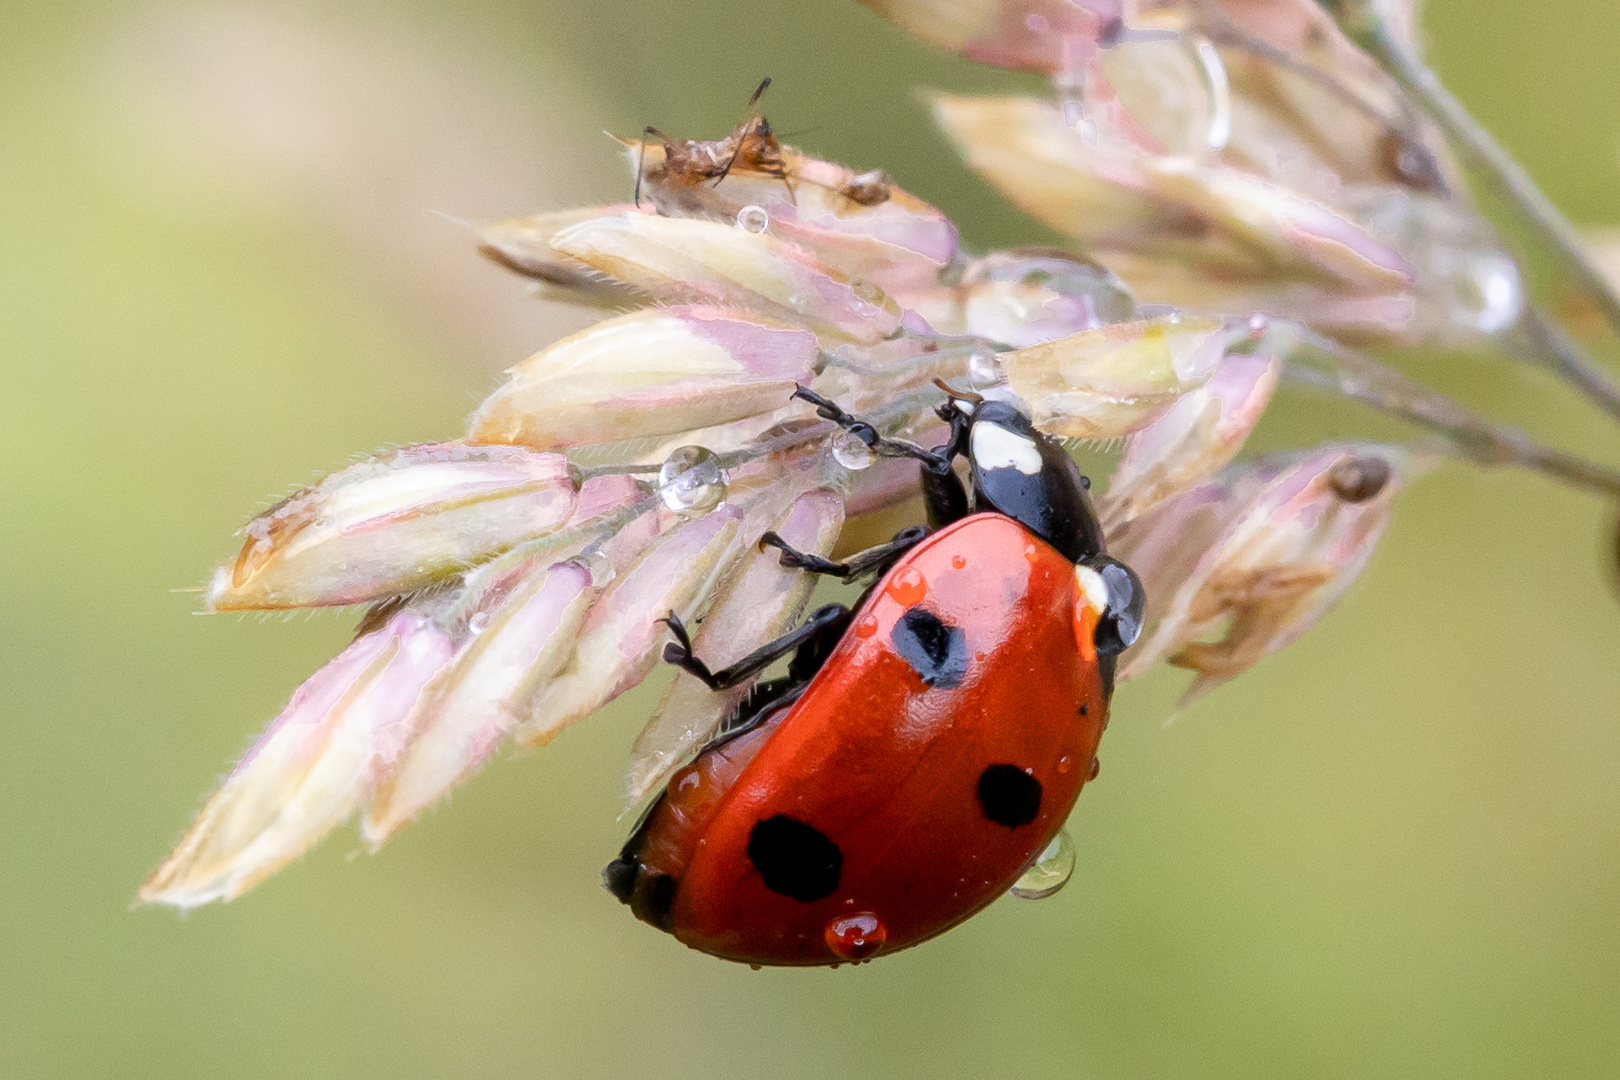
<point>924,747</point>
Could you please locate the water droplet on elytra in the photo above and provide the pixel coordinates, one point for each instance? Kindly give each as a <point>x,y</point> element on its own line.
<point>691,481</point>
<point>1049,872</point>
<point>908,587</point>
<point>1096,767</point>
<point>865,626</point>
<point>850,452</point>
<point>753,219</point>
<point>958,561</point>
<point>857,936</point>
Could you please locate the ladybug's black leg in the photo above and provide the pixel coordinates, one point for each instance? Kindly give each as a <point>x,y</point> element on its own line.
<point>942,489</point>
<point>895,448</point>
<point>764,699</point>
<point>825,623</point>
<point>873,560</point>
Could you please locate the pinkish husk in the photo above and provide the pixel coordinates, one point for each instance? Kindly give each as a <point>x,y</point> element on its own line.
<point>524,245</point>
<point>517,619</point>
<point>762,602</point>
<point>1021,298</point>
<point>310,770</point>
<point>897,240</point>
<point>1200,434</point>
<point>1118,199</point>
<point>1262,550</point>
<point>1049,37</point>
<point>647,373</point>
<point>687,261</point>
<point>1116,379</point>
<point>621,637</point>
<point>394,524</point>
<point>467,710</point>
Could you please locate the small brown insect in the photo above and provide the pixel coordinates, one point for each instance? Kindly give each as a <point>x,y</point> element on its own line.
<point>752,147</point>
<point>868,188</point>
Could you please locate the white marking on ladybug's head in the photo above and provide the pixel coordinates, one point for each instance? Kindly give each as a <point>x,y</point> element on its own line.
<point>994,447</point>
<point>1092,587</point>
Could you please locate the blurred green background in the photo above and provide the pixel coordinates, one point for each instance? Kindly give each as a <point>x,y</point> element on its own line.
<point>1393,850</point>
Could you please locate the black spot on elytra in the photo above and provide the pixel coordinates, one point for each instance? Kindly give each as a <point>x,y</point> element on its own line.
<point>1009,795</point>
<point>795,859</point>
<point>936,650</point>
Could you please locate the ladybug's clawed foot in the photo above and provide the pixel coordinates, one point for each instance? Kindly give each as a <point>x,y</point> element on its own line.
<point>679,651</point>
<point>791,556</point>
<point>794,559</point>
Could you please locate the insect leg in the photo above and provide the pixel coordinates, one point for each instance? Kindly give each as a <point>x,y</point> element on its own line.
<point>826,622</point>
<point>641,164</point>
<point>873,559</point>
<point>942,489</point>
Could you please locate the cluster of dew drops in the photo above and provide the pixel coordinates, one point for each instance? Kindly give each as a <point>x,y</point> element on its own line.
<point>692,481</point>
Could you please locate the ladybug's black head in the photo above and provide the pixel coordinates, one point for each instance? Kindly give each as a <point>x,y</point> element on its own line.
<point>1026,475</point>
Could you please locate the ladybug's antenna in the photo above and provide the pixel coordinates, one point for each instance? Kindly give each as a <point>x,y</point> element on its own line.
<point>961,395</point>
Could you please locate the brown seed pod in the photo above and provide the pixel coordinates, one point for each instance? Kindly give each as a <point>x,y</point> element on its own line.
<point>1358,479</point>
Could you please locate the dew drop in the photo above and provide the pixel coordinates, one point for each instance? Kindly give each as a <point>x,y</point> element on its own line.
<point>857,936</point>
<point>477,624</point>
<point>865,626</point>
<point>600,567</point>
<point>984,369</point>
<point>753,219</point>
<point>691,481</point>
<point>850,452</point>
<point>1096,767</point>
<point>908,587</point>
<point>1486,294</point>
<point>1065,763</point>
<point>1049,872</point>
<point>958,561</point>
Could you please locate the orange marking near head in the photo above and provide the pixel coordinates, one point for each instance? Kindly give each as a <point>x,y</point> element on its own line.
<point>1086,618</point>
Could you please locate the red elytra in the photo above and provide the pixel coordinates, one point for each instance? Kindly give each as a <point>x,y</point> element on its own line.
<point>897,796</point>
